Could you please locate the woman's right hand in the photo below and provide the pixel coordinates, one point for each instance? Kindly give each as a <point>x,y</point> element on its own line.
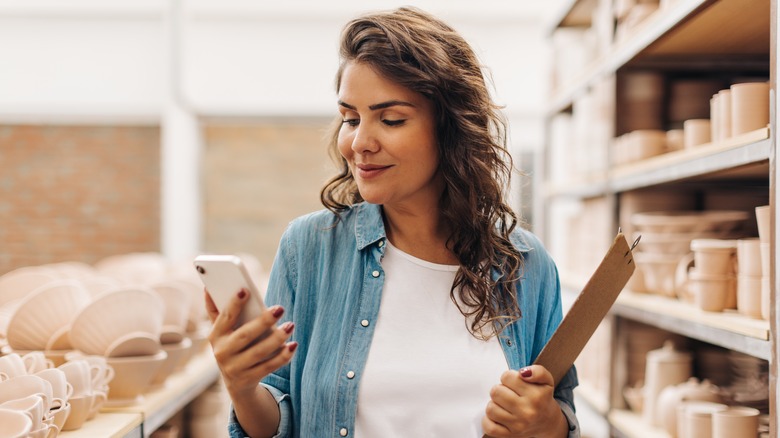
<point>242,363</point>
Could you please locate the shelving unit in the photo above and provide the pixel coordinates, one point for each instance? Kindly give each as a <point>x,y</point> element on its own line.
<point>736,38</point>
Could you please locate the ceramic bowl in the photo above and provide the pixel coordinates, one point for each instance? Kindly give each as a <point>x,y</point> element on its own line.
<point>115,314</point>
<point>689,221</point>
<point>176,297</point>
<point>45,312</point>
<point>175,352</point>
<point>21,282</point>
<point>136,268</point>
<point>132,377</point>
<point>659,272</point>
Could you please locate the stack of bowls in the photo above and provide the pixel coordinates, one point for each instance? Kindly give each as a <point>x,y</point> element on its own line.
<point>124,325</point>
<point>666,240</point>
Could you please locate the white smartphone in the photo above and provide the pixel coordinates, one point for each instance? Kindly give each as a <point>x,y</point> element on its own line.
<point>224,276</point>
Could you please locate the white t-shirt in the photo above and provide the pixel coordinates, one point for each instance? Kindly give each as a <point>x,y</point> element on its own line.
<point>426,375</point>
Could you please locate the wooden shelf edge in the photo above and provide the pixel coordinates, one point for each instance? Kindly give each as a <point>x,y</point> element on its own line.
<point>108,425</point>
<point>686,155</point>
<point>631,425</point>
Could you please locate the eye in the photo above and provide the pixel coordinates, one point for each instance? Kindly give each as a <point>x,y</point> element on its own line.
<point>394,122</point>
<point>351,122</point>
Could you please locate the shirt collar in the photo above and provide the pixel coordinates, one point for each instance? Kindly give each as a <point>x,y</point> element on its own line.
<point>370,228</point>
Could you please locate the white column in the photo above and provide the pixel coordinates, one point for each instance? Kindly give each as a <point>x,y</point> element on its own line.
<point>181,147</point>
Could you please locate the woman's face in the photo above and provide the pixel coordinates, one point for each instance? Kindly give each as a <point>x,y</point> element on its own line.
<point>388,140</point>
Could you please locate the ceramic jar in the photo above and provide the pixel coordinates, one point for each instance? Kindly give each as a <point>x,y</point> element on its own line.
<point>665,366</point>
<point>671,397</point>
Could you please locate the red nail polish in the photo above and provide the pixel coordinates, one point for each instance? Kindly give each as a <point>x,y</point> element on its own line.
<point>278,311</point>
<point>288,327</point>
<point>526,372</point>
<point>292,346</point>
<point>242,294</point>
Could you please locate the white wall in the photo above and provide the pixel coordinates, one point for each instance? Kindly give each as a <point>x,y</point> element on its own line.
<point>167,62</point>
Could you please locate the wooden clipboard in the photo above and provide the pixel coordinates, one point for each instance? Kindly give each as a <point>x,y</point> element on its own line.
<point>590,307</point>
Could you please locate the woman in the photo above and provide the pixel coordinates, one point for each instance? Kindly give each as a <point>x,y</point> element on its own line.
<point>412,305</point>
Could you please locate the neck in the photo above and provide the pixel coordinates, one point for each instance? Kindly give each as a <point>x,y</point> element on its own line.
<point>420,233</point>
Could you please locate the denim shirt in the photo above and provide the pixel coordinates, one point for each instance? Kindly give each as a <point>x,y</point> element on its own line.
<point>328,277</point>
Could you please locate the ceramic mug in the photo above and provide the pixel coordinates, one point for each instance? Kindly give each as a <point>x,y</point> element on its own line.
<point>696,132</point>
<point>79,375</point>
<point>14,423</point>
<point>749,106</point>
<point>724,115</point>
<point>749,256</point>
<point>12,365</point>
<point>61,388</point>
<point>762,220</point>
<point>32,406</point>
<point>736,421</point>
<point>35,361</point>
<point>749,295</point>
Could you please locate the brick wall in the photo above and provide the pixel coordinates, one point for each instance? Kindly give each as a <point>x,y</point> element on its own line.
<point>77,193</point>
<point>257,177</point>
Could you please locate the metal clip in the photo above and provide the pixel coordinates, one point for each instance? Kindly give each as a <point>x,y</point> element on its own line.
<point>633,245</point>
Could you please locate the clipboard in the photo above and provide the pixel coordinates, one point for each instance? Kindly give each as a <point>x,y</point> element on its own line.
<point>590,307</point>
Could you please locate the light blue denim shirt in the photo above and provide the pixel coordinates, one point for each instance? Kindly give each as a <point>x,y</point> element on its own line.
<point>328,277</point>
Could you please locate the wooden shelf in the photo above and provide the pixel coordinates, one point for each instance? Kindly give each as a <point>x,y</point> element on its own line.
<point>572,13</point>
<point>687,29</point>
<point>726,329</point>
<point>109,425</point>
<point>631,425</point>
<point>742,150</point>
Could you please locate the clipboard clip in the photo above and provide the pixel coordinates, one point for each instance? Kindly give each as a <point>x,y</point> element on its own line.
<point>633,245</point>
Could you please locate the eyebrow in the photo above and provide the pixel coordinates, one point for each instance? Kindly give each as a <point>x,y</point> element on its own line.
<point>378,106</point>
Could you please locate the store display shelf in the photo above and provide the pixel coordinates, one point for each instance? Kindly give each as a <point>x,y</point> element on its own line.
<point>742,150</point>
<point>109,425</point>
<point>631,425</point>
<point>685,29</point>
<point>726,329</point>
<point>592,396</point>
<point>161,404</point>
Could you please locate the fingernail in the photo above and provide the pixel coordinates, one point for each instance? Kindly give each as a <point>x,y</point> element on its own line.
<point>526,372</point>
<point>278,311</point>
<point>288,327</point>
<point>292,346</point>
<point>242,294</point>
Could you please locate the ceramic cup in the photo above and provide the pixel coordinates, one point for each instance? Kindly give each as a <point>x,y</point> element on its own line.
<point>715,256</point>
<point>765,258</point>
<point>697,418</point>
<point>80,408</point>
<point>35,361</point>
<point>22,386</point>
<point>711,293</point>
<point>675,139</point>
<point>762,220</point>
<point>749,295</point>
<point>32,406</point>
<point>79,375</point>
<point>724,115</point>
<point>60,386</point>
<point>101,372</point>
<point>12,365</point>
<point>696,132</point>
<point>749,106</point>
<point>14,423</point>
<point>766,293</point>
<point>736,421</point>
<point>749,256</point>
<point>714,119</point>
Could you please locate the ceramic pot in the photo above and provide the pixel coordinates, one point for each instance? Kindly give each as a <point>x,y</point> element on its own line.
<point>696,132</point>
<point>671,397</point>
<point>665,366</point>
<point>749,106</point>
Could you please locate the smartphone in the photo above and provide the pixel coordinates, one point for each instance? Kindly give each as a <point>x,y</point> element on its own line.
<point>224,276</point>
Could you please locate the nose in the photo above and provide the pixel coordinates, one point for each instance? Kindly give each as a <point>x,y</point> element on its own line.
<point>364,140</point>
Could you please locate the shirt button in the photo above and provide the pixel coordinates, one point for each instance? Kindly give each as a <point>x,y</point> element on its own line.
<point>381,243</point>
<point>343,431</point>
<point>364,323</point>
<point>350,375</point>
<point>375,274</point>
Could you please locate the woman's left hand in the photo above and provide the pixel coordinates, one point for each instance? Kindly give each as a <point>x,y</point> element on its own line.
<point>523,406</point>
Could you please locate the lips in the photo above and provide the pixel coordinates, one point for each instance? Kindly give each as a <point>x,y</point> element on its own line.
<point>370,170</point>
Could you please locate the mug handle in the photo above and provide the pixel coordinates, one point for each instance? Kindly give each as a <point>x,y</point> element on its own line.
<point>53,430</point>
<point>69,391</point>
<point>3,376</point>
<point>681,276</point>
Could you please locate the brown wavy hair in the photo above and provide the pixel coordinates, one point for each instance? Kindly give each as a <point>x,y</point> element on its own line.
<point>422,53</point>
